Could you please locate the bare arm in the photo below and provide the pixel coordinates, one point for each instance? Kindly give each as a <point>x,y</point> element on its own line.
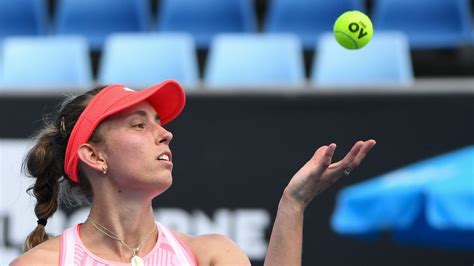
<point>229,253</point>
<point>46,253</point>
<point>214,249</point>
<point>287,235</point>
<point>285,247</point>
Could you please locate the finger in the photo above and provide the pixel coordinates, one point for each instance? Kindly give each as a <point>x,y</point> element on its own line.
<point>368,145</point>
<point>351,161</point>
<point>346,162</point>
<point>351,155</point>
<point>328,155</point>
<point>323,157</point>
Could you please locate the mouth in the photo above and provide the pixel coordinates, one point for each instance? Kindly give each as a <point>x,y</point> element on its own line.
<point>165,157</point>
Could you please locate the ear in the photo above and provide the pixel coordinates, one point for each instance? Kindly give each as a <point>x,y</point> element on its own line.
<point>91,157</point>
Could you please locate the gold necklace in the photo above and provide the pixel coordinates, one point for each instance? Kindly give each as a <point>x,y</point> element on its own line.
<point>135,260</point>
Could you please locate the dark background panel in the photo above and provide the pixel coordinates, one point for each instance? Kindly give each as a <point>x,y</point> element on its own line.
<point>239,151</point>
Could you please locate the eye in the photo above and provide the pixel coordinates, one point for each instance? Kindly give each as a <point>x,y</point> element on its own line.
<point>138,125</point>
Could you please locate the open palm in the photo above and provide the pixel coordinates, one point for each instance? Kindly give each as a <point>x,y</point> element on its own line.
<point>319,173</point>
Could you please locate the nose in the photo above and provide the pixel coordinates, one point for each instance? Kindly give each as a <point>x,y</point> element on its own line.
<point>163,135</point>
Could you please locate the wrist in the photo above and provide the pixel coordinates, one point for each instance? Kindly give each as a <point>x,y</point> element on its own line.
<point>288,202</point>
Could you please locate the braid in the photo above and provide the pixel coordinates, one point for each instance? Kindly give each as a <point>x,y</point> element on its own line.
<point>41,163</point>
<point>45,163</point>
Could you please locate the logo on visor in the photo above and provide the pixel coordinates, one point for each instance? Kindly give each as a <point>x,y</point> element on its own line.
<point>127,89</point>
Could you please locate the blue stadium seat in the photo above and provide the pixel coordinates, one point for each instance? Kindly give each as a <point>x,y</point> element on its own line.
<point>22,17</point>
<point>307,18</point>
<point>1,63</point>
<point>240,60</point>
<point>145,59</point>
<point>429,24</point>
<point>97,19</point>
<point>472,33</point>
<point>46,62</point>
<point>206,18</point>
<point>384,61</point>
<point>472,29</point>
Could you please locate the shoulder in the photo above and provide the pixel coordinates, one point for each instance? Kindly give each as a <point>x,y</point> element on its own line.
<point>46,253</point>
<point>214,249</point>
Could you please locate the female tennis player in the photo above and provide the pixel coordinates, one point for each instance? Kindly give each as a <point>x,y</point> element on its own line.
<point>108,147</point>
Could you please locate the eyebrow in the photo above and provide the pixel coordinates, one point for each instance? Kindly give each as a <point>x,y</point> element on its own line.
<point>144,114</point>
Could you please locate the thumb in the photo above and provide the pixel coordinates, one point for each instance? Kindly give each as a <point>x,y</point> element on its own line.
<point>322,158</point>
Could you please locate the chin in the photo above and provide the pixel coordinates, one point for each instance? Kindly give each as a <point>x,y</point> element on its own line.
<point>162,183</point>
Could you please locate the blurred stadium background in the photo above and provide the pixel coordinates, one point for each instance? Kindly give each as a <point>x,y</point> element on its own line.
<point>264,79</point>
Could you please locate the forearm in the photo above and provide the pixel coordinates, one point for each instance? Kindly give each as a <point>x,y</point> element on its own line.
<point>285,247</point>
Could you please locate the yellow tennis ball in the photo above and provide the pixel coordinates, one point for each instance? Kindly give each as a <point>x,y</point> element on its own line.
<point>353,30</point>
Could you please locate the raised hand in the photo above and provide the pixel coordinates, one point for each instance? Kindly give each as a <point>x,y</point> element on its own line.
<point>319,173</point>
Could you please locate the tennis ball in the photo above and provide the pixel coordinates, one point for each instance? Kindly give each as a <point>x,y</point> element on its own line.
<point>353,30</point>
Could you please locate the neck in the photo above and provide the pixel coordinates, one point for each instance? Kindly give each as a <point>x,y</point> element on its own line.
<point>129,219</point>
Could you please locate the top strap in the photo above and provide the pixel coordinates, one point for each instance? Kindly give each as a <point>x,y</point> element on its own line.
<point>180,253</point>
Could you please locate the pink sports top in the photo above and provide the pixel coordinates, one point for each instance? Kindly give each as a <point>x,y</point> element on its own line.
<point>168,251</point>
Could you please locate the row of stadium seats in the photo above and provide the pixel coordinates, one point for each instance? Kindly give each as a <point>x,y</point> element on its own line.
<point>234,61</point>
<point>429,24</point>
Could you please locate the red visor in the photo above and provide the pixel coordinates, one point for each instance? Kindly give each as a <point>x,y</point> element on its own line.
<point>167,98</point>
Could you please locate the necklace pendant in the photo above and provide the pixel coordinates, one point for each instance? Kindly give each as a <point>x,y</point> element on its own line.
<point>137,261</point>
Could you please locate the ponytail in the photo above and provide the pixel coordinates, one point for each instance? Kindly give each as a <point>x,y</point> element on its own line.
<point>45,163</point>
<point>42,165</point>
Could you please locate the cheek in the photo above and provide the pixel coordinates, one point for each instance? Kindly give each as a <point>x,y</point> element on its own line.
<point>129,149</point>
